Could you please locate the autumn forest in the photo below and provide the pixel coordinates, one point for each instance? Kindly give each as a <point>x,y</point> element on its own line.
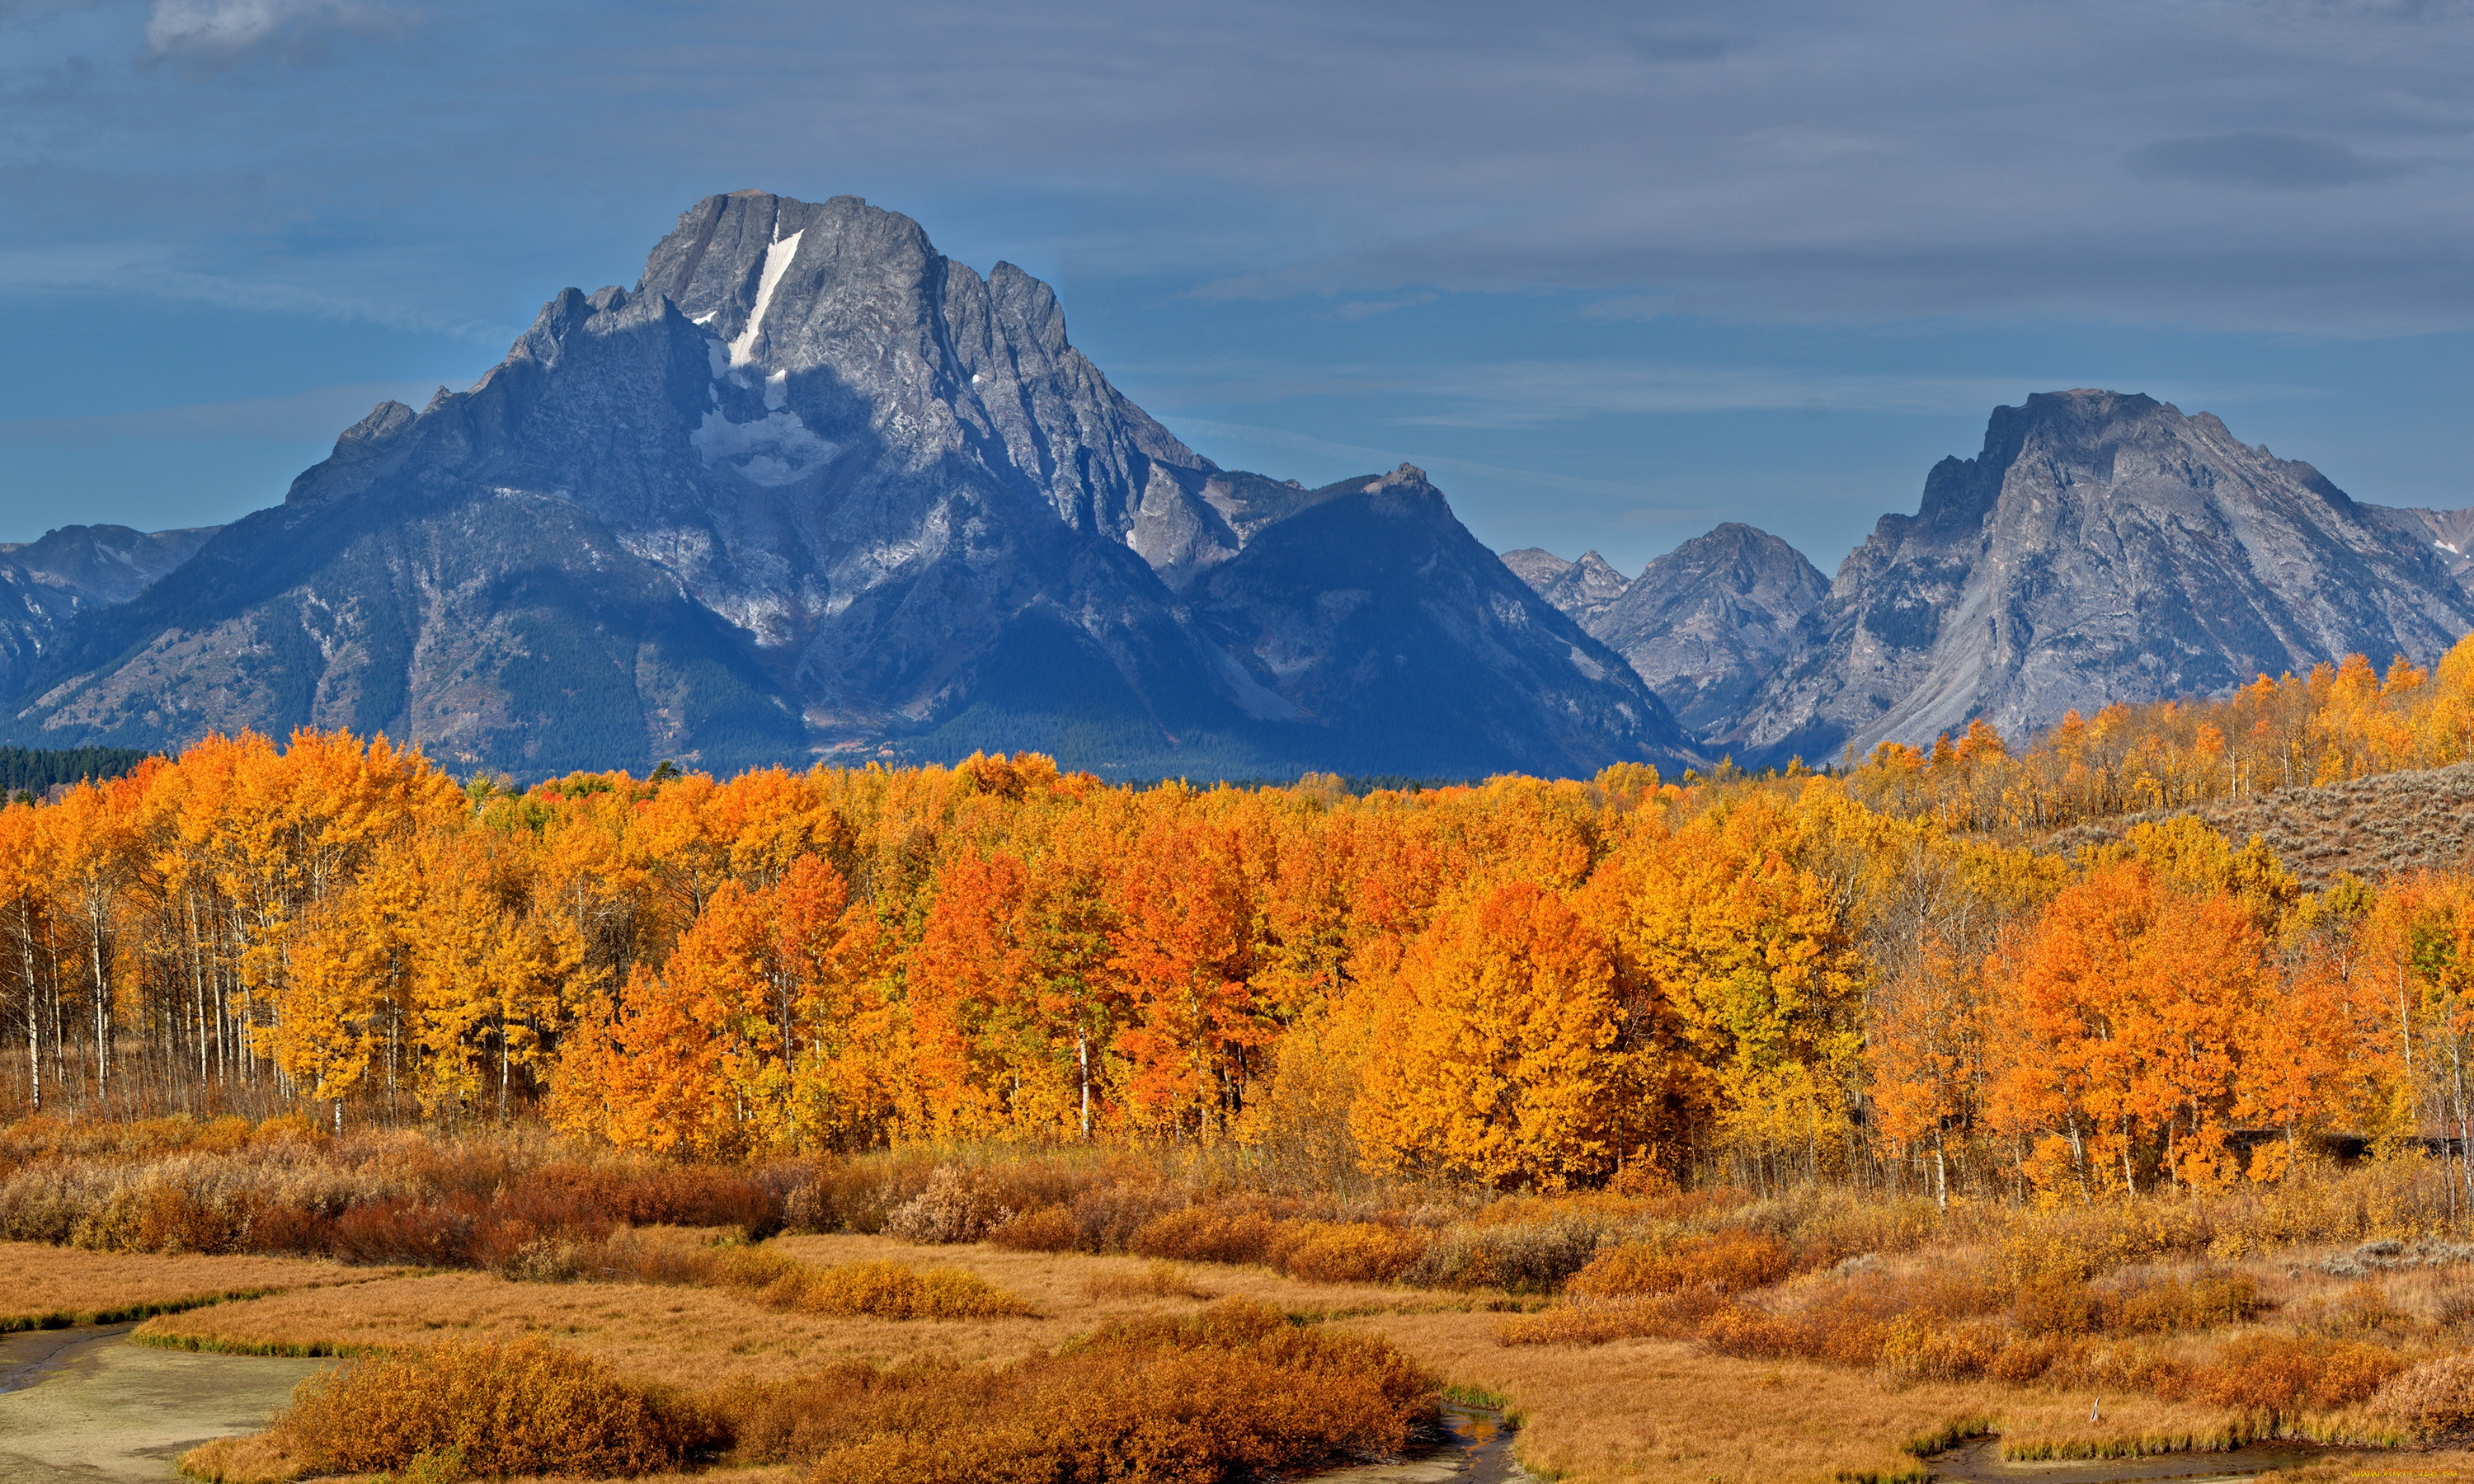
<point>1884,973</point>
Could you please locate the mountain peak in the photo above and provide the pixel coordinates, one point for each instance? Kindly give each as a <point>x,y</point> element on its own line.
<point>811,485</point>
<point>1706,623</point>
<point>2103,546</point>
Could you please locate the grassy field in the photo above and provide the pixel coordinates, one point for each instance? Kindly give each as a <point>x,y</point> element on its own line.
<point>693,1336</point>
<point>45,1287</point>
<point>1656,1411</point>
<point>1656,1336</point>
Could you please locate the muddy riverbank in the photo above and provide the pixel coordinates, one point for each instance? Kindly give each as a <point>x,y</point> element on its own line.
<point>1981,1463</point>
<point>86,1406</point>
<point>1470,1445</point>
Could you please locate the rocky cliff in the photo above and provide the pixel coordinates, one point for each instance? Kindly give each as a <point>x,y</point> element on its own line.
<point>2449,533</point>
<point>2101,547</point>
<point>46,582</point>
<point>1708,623</point>
<point>811,488</point>
<point>1582,590</point>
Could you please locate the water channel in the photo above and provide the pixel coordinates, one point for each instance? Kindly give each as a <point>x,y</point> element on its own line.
<point>85,1406</point>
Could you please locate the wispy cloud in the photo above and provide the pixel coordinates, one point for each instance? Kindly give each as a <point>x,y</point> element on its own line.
<point>2262,161</point>
<point>213,34</point>
<point>1532,393</point>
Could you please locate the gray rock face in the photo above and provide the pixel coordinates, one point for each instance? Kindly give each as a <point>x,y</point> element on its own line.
<point>46,582</point>
<point>2449,533</point>
<point>813,487</point>
<point>1368,602</point>
<point>1708,623</point>
<point>2101,547</point>
<point>1583,590</point>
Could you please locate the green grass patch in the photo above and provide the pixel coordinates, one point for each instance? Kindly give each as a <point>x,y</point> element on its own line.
<point>64,1319</point>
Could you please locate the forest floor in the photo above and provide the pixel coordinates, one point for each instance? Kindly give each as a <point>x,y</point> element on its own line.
<point>1633,1411</point>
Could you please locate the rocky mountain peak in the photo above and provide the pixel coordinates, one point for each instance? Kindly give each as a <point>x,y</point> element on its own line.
<point>1708,623</point>
<point>811,487</point>
<point>2101,546</point>
<point>838,309</point>
<point>1583,587</point>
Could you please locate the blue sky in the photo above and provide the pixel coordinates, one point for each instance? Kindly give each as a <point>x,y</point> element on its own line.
<point>1612,273</point>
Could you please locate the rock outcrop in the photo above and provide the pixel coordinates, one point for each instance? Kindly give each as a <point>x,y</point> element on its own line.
<point>46,582</point>
<point>2101,547</point>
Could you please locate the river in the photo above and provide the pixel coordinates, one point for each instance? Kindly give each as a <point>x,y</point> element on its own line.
<point>85,1406</point>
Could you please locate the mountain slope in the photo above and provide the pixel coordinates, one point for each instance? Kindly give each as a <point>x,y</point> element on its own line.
<point>46,582</point>
<point>1582,590</point>
<point>811,485</point>
<point>2101,547</point>
<point>1708,622</point>
<point>2449,533</point>
<point>1372,603</point>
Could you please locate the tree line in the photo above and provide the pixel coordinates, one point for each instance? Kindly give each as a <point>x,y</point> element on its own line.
<point>1875,975</point>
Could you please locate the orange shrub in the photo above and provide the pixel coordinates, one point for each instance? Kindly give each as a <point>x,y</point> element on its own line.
<point>1235,1391</point>
<point>528,1407</point>
<point>2286,1373</point>
<point>1202,1234</point>
<point>1730,1261</point>
<point>1353,1251</point>
<point>2054,1303</point>
<point>1049,1229</point>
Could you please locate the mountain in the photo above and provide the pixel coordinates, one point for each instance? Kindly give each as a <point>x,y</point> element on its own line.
<point>1583,590</point>
<point>1704,625</point>
<point>46,582</point>
<point>2450,534</point>
<point>2101,547</point>
<point>1708,622</point>
<point>810,487</point>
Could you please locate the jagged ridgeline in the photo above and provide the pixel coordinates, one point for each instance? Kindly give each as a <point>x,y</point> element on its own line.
<point>2100,548</point>
<point>808,489</point>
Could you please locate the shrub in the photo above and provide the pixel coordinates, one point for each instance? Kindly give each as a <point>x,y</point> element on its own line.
<point>1203,1234</point>
<point>1353,1251</point>
<point>2435,1397</point>
<point>1729,1261</point>
<point>2055,1303</point>
<point>1233,1392</point>
<point>1049,1229</point>
<point>951,1207</point>
<point>1537,1258</point>
<point>525,1408</point>
<point>2282,1375</point>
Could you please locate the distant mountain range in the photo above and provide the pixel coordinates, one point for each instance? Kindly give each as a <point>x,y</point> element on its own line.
<point>812,490</point>
<point>2101,547</point>
<point>809,490</point>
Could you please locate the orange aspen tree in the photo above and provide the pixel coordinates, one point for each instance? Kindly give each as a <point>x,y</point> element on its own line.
<point>1494,1054</point>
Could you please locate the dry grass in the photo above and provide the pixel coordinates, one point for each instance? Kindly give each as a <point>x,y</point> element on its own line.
<point>45,1288</point>
<point>697,1336</point>
<point>1155,1281</point>
<point>1661,1412</point>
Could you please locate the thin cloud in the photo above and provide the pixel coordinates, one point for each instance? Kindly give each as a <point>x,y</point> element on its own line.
<point>215,34</point>
<point>2260,161</point>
